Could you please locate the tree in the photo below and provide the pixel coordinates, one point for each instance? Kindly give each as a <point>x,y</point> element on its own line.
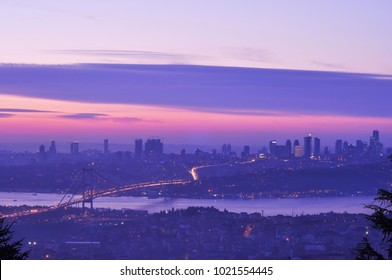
<point>10,250</point>
<point>381,220</point>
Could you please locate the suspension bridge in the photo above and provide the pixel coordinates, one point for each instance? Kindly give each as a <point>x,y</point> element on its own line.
<point>83,192</point>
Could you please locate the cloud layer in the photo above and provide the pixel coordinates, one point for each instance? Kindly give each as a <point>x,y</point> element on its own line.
<point>83,116</point>
<point>213,89</point>
<point>22,110</point>
<point>3,115</point>
<point>130,55</point>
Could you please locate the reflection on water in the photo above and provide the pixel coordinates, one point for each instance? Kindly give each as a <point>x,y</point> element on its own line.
<point>267,206</point>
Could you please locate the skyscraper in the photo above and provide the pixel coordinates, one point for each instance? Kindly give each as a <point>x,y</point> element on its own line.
<point>138,148</point>
<point>153,147</point>
<point>228,150</point>
<point>360,148</point>
<point>326,151</point>
<point>317,146</point>
<point>42,152</point>
<point>375,146</point>
<point>376,135</point>
<point>345,148</point>
<point>52,148</point>
<point>213,153</point>
<point>272,147</point>
<point>224,150</point>
<point>288,152</point>
<point>350,151</point>
<point>280,151</point>
<point>246,152</point>
<point>339,148</point>
<point>297,149</point>
<point>308,146</point>
<point>106,146</point>
<point>75,147</point>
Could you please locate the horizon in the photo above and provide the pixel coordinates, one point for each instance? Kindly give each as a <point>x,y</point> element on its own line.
<point>63,145</point>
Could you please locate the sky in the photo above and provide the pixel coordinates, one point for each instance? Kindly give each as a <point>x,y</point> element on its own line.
<point>195,72</point>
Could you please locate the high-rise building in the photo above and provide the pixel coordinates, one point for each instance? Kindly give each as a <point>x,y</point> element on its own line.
<point>375,146</point>
<point>272,147</point>
<point>345,149</point>
<point>350,151</point>
<point>288,152</point>
<point>280,151</point>
<point>153,147</point>
<point>42,152</point>
<point>297,149</point>
<point>359,148</point>
<point>138,148</point>
<point>317,146</point>
<point>308,146</point>
<point>339,148</point>
<point>224,150</point>
<point>376,135</point>
<point>75,147</point>
<point>106,146</point>
<point>246,152</point>
<point>52,148</point>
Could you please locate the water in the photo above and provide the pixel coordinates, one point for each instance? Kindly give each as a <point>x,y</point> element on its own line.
<point>268,206</point>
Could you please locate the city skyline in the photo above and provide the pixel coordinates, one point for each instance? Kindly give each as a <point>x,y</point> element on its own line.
<point>311,145</point>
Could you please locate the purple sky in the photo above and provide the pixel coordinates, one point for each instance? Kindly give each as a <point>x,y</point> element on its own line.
<point>204,88</point>
<point>191,104</point>
<point>88,70</point>
<point>334,35</point>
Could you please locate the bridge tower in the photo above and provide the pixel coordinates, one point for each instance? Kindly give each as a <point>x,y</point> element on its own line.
<point>87,189</point>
